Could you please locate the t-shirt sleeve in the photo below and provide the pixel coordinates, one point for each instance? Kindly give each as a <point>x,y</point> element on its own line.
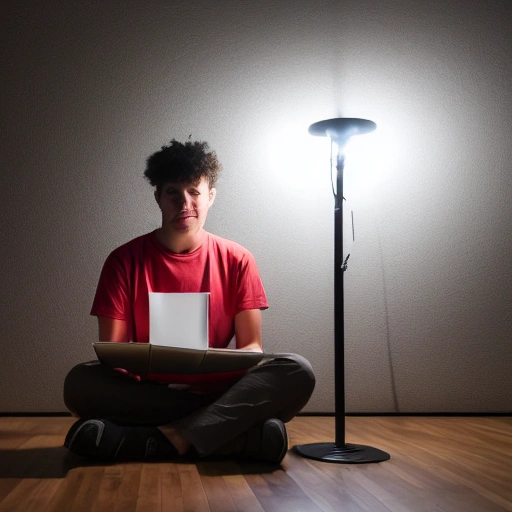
<point>112,294</point>
<point>250,290</point>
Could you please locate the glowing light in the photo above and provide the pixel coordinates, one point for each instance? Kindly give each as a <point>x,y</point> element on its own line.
<point>334,164</point>
<point>302,162</point>
<point>368,159</point>
<point>297,158</point>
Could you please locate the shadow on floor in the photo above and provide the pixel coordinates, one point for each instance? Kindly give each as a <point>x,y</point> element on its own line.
<point>52,462</point>
<point>56,462</point>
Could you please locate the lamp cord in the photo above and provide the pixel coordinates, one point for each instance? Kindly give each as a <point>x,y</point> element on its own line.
<point>344,266</point>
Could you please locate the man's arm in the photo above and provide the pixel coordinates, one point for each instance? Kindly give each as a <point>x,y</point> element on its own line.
<point>248,330</point>
<point>112,329</point>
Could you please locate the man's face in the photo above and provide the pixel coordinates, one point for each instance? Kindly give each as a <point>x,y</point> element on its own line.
<point>185,206</point>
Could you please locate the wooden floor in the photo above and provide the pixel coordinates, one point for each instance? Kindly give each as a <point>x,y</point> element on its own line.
<point>438,464</point>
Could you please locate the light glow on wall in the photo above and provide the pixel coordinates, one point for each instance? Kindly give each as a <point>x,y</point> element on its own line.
<point>368,161</point>
<point>297,159</point>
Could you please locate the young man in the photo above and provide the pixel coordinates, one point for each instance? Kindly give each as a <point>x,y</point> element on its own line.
<point>126,417</point>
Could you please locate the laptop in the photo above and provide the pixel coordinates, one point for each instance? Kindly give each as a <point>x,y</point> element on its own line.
<point>178,341</point>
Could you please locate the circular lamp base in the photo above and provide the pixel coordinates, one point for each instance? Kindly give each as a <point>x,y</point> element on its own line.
<point>345,454</point>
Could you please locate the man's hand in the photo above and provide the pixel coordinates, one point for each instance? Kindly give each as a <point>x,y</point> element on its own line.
<point>248,330</point>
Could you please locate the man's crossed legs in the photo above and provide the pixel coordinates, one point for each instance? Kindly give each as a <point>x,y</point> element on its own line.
<point>124,419</point>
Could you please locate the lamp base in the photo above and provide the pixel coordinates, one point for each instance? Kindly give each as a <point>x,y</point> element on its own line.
<point>345,454</point>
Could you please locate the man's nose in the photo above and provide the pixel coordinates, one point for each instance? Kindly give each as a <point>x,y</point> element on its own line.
<point>186,201</point>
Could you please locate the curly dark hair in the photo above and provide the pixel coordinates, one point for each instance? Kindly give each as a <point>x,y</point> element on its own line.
<point>182,162</point>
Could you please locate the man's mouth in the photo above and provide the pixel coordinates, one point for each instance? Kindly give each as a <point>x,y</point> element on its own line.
<point>187,216</point>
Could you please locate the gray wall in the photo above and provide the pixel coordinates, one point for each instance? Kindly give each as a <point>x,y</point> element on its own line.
<point>90,89</point>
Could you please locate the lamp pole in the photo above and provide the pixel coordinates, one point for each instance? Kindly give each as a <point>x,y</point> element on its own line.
<point>339,311</point>
<point>340,130</point>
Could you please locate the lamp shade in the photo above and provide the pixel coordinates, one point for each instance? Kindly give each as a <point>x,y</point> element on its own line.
<point>340,129</point>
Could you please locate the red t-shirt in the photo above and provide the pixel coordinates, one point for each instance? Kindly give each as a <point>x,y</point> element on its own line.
<point>221,267</point>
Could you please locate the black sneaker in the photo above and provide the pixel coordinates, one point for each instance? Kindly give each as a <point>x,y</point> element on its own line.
<point>103,440</point>
<point>267,442</point>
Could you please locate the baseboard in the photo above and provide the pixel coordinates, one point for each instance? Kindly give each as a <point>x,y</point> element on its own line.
<point>33,414</point>
<point>446,414</point>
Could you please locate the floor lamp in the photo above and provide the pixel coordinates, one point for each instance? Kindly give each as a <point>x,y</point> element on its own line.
<point>340,130</point>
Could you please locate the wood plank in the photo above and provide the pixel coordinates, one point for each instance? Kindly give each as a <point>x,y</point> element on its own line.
<point>6,486</point>
<point>33,494</point>
<point>66,492</point>
<point>241,493</point>
<point>149,496</point>
<point>128,491</point>
<point>172,495</point>
<point>218,495</point>
<point>194,497</point>
<point>327,486</point>
<point>230,472</point>
<point>278,492</point>
<point>88,489</point>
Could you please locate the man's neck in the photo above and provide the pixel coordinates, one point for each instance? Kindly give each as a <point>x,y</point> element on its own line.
<point>180,244</point>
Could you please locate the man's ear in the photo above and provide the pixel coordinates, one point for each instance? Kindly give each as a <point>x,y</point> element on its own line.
<point>157,199</point>
<point>212,194</point>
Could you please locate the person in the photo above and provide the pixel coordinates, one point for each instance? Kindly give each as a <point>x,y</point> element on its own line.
<point>160,417</point>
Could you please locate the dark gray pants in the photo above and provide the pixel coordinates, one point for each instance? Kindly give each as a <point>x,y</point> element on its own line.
<point>278,388</point>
